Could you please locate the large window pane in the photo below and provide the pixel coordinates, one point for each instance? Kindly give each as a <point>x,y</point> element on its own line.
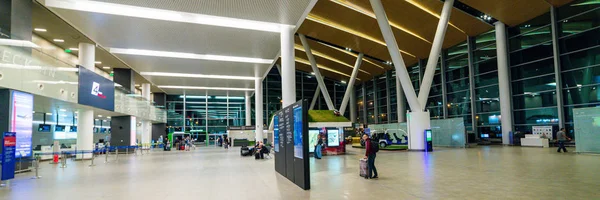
<point>582,77</point>
<point>579,23</point>
<point>536,116</point>
<point>535,85</point>
<point>490,105</point>
<point>459,109</point>
<point>580,59</point>
<point>456,86</point>
<point>581,95</point>
<point>459,97</point>
<point>531,54</point>
<point>457,73</point>
<point>545,99</point>
<point>488,119</point>
<point>576,7</point>
<point>487,66</point>
<point>486,79</point>
<point>533,69</point>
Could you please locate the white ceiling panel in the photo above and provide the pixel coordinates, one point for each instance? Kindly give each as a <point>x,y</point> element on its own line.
<point>147,34</point>
<point>155,34</point>
<point>203,92</point>
<point>275,11</point>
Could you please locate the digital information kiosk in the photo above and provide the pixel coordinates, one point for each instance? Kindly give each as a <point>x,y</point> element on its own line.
<point>291,143</point>
<point>428,143</point>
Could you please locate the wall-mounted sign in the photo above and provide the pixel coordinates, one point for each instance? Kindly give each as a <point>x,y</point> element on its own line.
<point>95,90</point>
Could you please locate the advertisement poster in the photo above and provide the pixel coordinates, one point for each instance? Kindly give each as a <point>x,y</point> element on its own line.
<point>333,137</point>
<point>312,139</point>
<point>95,90</point>
<point>9,143</point>
<point>298,132</point>
<point>276,133</point>
<point>21,122</point>
<point>133,133</point>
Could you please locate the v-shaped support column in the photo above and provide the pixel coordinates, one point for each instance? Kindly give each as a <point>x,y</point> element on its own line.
<point>313,64</point>
<point>390,40</point>
<point>350,85</point>
<point>434,54</point>
<point>314,99</point>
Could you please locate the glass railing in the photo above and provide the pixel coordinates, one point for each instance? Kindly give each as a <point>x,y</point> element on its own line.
<point>43,69</point>
<point>135,105</point>
<point>27,67</point>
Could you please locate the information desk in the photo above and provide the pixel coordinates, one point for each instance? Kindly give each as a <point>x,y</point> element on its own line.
<point>531,140</point>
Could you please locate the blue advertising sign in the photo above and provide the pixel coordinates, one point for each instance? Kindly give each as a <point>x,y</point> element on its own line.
<point>95,90</point>
<point>9,143</point>
<point>21,119</point>
<point>298,148</point>
<point>276,133</point>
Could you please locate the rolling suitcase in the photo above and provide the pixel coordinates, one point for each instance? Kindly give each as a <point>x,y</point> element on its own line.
<point>363,167</point>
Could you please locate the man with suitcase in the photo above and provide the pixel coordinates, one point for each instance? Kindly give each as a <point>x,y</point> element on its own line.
<point>371,153</point>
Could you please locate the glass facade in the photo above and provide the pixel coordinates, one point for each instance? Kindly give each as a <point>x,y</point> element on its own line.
<point>533,75</point>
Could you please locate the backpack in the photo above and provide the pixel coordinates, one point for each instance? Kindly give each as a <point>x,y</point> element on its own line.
<point>374,146</point>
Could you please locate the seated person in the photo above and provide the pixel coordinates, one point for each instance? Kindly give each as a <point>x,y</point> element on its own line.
<point>261,149</point>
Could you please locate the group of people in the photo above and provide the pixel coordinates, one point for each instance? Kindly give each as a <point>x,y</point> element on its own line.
<point>224,141</point>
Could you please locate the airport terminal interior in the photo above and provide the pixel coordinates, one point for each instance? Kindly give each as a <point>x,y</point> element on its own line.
<point>299,99</point>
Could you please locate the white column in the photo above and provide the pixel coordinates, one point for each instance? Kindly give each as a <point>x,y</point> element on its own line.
<point>258,101</point>
<point>146,91</point>
<point>400,105</point>
<point>85,134</point>
<point>248,110</point>
<point>353,114</point>
<point>288,68</point>
<point>434,54</point>
<point>85,118</point>
<point>87,56</point>
<point>503,82</point>
<point>350,85</point>
<point>313,102</point>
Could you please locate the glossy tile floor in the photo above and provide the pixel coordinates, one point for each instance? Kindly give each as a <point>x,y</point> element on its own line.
<point>210,173</point>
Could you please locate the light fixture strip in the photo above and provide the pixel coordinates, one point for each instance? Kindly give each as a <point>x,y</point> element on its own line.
<point>18,43</point>
<point>165,15</point>
<point>432,13</point>
<point>354,55</point>
<point>320,20</point>
<point>168,54</point>
<point>204,88</point>
<point>363,11</point>
<point>298,47</point>
<point>306,62</point>
<point>183,75</point>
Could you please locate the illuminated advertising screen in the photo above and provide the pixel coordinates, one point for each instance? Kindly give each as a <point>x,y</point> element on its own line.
<point>312,139</point>
<point>298,132</point>
<point>95,90</point>
<point>21,119</point>
<point>276,133</point>
<point>333,137</point>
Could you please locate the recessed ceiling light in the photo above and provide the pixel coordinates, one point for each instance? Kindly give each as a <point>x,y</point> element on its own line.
<point>197,75</point>
<point>59,40</point>
<point>108,117</point>
<point>74,49</point>
<point>99,115</point>
<point>166,15</point>
<point>63,110</point>
<point>106,67</point>
<point>48,113</point>
<point>98,62</point>
<point>344,82</point>
<point>189,56</point>
<point>203,88</point>
<point>40,29</point>
<point>137,85</point>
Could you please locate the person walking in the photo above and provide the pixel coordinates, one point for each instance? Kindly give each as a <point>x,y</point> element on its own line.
<point>561,136</point>
<point>371,153</point>
<point>318,153</point>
